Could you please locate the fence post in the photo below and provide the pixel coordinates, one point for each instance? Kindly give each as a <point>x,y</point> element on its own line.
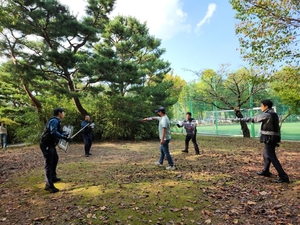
<point>215,108</point>
<point>252,132</point>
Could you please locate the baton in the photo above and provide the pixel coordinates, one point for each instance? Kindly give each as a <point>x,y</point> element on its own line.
<point>80,130</point>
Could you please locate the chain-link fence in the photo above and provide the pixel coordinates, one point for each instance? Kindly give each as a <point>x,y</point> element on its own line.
<point>220,123</point>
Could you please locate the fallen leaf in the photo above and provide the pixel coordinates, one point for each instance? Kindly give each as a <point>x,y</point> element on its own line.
<point>235,221</point>
<point>208,221</point>
<point>251,203</point>
<point>175,209</point>
<point>263,193</point>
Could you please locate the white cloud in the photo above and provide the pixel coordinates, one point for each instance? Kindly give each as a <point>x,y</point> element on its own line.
<point>165,18</point>
<point>210,11</point>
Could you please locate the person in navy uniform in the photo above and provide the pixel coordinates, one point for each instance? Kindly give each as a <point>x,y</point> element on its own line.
<point>191,132</point>
<point>270,136</point>
<point>49,139</point>
<point>87,134</point>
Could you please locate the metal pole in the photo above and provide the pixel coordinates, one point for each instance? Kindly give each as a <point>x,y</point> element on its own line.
<point>251,106</point>
<point>215,108</point>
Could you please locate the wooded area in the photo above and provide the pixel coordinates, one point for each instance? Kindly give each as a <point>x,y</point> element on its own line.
<point>114,70</point>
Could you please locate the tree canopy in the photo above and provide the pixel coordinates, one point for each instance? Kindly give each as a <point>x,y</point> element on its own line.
<point>268,31</point>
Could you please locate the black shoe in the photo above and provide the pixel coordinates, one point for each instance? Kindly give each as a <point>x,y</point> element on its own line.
<point>89,154</point>
<point>197,153</point>
<point>51,189</point>
<point>185,151</point>
<point>282,180</point>
<point>56,179</point>
<point>86,155</point>
<point>263,173</point>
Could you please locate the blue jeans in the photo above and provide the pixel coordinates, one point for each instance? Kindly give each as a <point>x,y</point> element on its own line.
<point>164,152</point>
<point>3,140</point>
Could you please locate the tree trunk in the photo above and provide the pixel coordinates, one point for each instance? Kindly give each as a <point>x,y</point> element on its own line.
<point>245,129</point>
<point>244,126</point>
<point>35,101</point>
<point>79,106</point>
<point>76,100</point>
<point>284,118</point>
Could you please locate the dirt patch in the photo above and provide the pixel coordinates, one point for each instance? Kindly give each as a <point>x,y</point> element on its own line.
<point>119,184</point>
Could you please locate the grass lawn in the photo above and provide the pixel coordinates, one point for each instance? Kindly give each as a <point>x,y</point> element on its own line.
<point>119,184</point>
<point>289,130</point>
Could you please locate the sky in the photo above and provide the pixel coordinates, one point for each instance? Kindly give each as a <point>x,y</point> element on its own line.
<point>197,34</point>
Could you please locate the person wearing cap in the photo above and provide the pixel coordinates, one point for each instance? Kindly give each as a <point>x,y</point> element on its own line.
<point>49,139</point>
<point>87,134</point>
<point>3,134</point>
<point>164,136</point>
<point>191,132</point>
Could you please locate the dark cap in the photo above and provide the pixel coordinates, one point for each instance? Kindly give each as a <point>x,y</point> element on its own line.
<point>160,109</point>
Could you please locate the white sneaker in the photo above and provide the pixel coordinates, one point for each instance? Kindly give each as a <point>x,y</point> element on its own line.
<point>170,168</point>
<point>158,164</point>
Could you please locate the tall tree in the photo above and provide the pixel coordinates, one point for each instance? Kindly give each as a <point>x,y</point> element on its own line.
<point>47,39</point>
<point>133,54</point>
<point>268,31</point>
<point>230,90</point>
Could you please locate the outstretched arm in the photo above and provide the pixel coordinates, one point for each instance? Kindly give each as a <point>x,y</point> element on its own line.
<point>151,118</point>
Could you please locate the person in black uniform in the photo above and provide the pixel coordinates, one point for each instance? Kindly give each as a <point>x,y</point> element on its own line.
<point>49,139</point>
<point>191,132</point>
<point>87,134</point>
<point>270,136</point>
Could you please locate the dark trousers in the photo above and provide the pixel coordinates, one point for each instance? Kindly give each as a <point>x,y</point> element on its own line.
<point>187,140</point>
<point>270,157</point>
<point>87,138</point>
<point>50,163</point>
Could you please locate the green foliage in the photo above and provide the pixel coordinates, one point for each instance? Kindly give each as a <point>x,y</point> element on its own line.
<point>132,54</point>
<point>286,86</point>
<point>268,31</point>
<point>229,90</point>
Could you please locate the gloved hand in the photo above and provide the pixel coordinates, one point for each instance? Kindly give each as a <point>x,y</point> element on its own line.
<point>69,139</point>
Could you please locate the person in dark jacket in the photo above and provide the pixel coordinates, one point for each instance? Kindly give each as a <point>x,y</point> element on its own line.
<point>191,132</point>
<point>270,136</point>
<point>87,135</point>
<point>49,139</point>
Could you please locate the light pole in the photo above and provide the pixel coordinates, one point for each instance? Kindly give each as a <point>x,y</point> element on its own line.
<point>215,108</point>
<point>252,132</point>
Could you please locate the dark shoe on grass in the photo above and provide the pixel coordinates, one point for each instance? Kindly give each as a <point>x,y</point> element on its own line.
<point>282,180</point>
<point>185,151</point>
<point>51,189</point>
<point>263,173</point>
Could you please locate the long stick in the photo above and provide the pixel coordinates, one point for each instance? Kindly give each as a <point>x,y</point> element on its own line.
<point>80,130</point>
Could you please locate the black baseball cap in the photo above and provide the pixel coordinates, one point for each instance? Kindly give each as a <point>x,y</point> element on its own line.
<point>160,109</point>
